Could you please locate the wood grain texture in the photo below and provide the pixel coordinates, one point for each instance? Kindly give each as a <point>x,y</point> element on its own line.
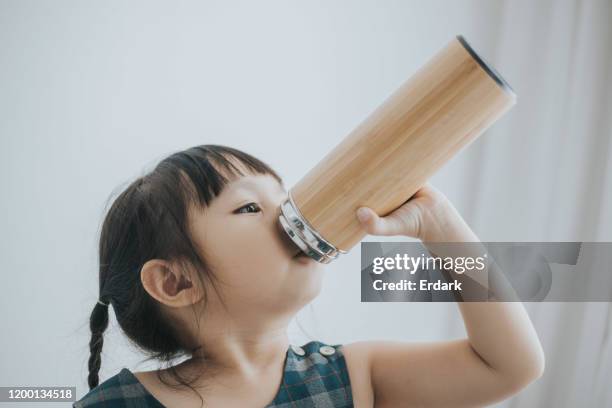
<point>443,107</point>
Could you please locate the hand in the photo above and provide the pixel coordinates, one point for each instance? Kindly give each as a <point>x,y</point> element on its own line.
<point>428,215</point>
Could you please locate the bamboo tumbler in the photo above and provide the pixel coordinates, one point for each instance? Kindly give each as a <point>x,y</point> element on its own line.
<point>443,107</point>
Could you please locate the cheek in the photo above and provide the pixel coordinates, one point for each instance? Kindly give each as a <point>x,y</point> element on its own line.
<point>257,270</point>
<point>247,253</point>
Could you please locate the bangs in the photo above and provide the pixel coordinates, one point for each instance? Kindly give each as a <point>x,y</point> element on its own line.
<point>203,171</point>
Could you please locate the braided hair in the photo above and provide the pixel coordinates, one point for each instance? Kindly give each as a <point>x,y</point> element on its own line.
<point>98,323</point>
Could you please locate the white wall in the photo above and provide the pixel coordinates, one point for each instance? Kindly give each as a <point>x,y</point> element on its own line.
<point>94,93</point>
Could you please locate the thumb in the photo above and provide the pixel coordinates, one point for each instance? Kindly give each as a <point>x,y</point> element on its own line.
<point>376,225</point>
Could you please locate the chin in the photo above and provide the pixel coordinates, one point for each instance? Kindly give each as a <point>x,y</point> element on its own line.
<point>307,281</point>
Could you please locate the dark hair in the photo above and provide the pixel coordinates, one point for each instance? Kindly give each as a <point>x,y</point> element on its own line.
<point>149,220</point>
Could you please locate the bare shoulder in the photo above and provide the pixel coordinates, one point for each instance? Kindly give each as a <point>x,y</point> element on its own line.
<point>372,364</point>
<point>441,373</point>
<point>357,357</point>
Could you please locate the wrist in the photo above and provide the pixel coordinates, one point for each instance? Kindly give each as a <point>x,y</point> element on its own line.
<point>443,223</point>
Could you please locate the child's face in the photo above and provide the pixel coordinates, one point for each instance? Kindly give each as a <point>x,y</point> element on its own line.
<point>250,254</point>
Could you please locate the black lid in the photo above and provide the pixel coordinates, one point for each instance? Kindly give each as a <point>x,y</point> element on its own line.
<point>488,68</point>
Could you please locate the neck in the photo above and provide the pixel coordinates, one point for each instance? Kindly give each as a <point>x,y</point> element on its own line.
<point>241,348</point>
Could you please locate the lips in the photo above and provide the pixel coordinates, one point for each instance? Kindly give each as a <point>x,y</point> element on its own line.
<point>298,252</point>
<point>292,249</point>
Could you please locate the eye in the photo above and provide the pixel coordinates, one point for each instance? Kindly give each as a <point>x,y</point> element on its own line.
<point>253,206</point>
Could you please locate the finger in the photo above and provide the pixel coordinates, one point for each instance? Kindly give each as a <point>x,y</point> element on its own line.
<point>424,190</point>
<point>375,225</point>
<point>410,216</point>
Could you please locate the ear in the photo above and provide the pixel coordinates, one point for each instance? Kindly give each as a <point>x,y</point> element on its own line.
<point>166,284</point>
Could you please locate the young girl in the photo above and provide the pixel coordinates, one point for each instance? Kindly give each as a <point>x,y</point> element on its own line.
<point>195,265</point>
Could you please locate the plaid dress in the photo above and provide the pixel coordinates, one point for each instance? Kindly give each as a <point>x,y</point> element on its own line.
<point>315,376</point>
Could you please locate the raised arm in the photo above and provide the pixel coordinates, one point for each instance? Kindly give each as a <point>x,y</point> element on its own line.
<point>501,355</point>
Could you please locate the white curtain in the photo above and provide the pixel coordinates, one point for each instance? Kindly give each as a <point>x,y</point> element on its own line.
<point>542,173</point>
<point>546,175</point>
